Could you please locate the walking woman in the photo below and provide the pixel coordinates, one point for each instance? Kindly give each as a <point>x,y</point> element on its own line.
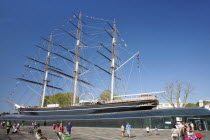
<point>174,133</point>
<point>60,130</point>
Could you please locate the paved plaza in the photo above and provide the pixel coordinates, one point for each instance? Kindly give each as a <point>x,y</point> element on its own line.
<point>93,133</point>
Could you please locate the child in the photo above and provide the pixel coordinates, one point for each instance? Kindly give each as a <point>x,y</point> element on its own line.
<point>68,128</point>
<point>53,127</point>
<point>60,130</point>
<point>156,131</point>
<point>122,130</point>
<point>147,129</point>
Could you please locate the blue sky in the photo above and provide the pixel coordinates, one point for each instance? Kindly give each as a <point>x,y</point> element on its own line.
<point>173,37</point>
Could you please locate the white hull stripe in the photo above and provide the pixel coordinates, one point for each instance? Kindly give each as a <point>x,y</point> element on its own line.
<point>91,108</point>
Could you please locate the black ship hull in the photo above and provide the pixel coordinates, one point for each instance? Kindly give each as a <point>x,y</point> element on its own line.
<point>92,109</point>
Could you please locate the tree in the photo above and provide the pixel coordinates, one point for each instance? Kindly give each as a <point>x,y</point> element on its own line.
<point>63,99</point>
<point>191,105</point>
<point>177,93</point>
<point>206,102</point>
<point>197,104</point>
<point>106,96</point>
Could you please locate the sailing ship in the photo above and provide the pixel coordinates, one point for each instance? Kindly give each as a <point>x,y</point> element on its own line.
<point>116,103</point>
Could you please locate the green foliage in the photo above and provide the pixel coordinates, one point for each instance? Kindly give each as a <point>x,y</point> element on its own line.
<point>63,99</point>
<point>197,104</point>
<point>206,102</point>
<point>106,96</point>
<point>191,105</point>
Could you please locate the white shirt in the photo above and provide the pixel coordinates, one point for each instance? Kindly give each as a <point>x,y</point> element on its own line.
<point>37,136</point>
<point>181,126</point>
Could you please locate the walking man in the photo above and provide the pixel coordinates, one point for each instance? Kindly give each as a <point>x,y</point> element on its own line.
<point>8,127</point>
<point>128,128</point>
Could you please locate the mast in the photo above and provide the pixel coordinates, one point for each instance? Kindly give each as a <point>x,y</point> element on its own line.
<point>46,73</point>
<point>76,71</point>
<point>113,61</point>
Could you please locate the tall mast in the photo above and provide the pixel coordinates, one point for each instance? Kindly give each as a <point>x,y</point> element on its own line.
<point>46,73</point>
<point>113,61</point>
<point>76,71</point>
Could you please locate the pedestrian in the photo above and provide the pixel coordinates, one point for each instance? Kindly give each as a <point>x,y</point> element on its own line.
<point>68,128</point>
<point>32,124</point>
<point>177,125</point>
<point>182,130</point>
<point>174,133</point>
<point>122,130</point>
<point>128,128</point>
<point>199,126</point>
<point>57,125</point>
<point>60,130</point>
<point>45,123</point>
<point>189,131</point>
<point>23,123</point>
<point>8,127</point>
<point>38,124</point>
<point>53,127</point>
<point>18,126</point>
<point>3,124</point>
<point>14,129</point>
<point>192,125</point>
<point>35,125</point>
<point>147,129</point>
<point>156,130</point>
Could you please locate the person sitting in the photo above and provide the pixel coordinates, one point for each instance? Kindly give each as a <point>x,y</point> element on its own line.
<point>39,135</point>
<point>15,130</point>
